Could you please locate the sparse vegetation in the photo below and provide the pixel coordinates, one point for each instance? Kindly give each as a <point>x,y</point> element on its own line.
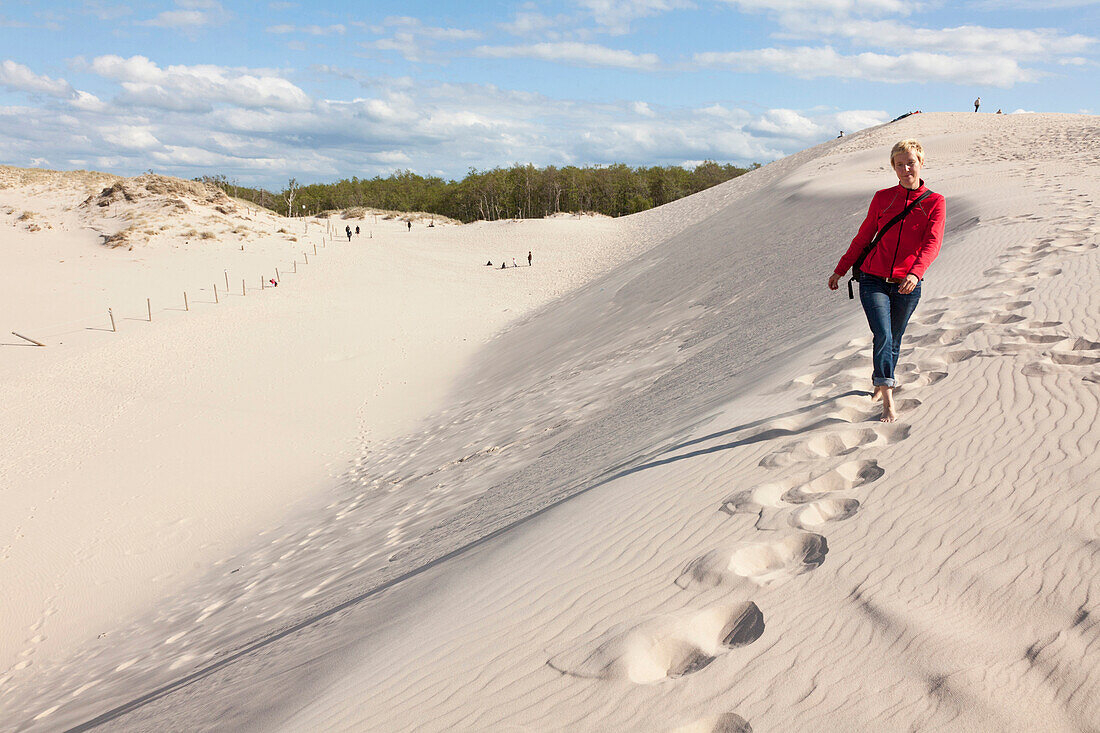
<point>118,239</point>
<point>206,235</point>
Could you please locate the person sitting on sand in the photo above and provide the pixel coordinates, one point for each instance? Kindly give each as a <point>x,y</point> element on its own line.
<point>891,273</point>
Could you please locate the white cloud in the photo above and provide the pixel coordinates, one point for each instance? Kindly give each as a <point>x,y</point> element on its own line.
<point>88,102</point>
<point>21,78</point>
<point>195,14</point>
<point>813,63</point>
<point>178,19</point>
<point>414,40</point>
<point>784,123</point>
<point>835,7</point>
<point>129,137</point>
<point>643,109</point>
<point>312,30</point>
<point>415,26</point>
<point>196,87</point>
<point>529,23</point>
<point>402,43</point>
<point>105,11</point>
<point>391,157</point>
<point>133,69</point>
<point>1046,5</point>
<point>581,54</point>
<point>615,16</point>
<point>1035,43</point>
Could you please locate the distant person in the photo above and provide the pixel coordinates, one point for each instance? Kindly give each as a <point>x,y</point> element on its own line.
<point>503,264</point>
<point>998,111</point>
<point>357,231</point>
<point>528,258</point>
<point>840,135</point>
<point>514,262</point>
<point>410,225</point>
<point>889,255</point>
<point>489,263</point>
<point>347,229</point>
<point>977,103</point>
<point>431,224</point>
<point>274,282</point>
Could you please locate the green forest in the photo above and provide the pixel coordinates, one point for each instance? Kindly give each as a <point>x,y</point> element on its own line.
<point>518,192</point>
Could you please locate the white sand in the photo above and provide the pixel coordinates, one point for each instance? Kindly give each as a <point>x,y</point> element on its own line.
<point>728,535</point>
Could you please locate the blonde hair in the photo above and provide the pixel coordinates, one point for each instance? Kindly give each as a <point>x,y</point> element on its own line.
<point>907,146</point>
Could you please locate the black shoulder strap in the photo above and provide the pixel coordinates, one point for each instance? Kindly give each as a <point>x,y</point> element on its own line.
<point>874,241</point>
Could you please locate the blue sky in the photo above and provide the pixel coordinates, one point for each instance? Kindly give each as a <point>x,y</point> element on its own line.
<point>262,91</point>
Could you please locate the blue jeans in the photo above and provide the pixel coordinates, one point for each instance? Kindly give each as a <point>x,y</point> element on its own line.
<point>888,314</point>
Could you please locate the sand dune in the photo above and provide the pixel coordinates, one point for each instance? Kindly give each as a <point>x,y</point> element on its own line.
<point>661,501</point>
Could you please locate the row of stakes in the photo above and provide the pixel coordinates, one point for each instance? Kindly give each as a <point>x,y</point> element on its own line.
<point>186,305</point>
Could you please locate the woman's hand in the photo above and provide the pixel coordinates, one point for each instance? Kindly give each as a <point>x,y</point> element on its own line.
<point>909,285</point>
<point>834,281</point>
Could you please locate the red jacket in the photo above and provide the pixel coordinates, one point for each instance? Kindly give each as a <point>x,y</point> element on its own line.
<point>910,245</point>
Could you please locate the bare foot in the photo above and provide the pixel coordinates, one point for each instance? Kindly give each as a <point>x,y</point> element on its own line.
<point>877,394</point>
<point>889,411</point>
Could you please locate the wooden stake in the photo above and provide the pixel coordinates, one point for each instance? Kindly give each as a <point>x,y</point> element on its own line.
<point>185,306</point>
<point>315,249</point>
<point>277,275</point>
<point>262,283</point>
<point>36,343</point>
<point>216,293</point>
<point>149,307</point>
<point>112,315</point>
<point>306,258</point>
<point>242,287</point>
<point>226,272</point>
<point>295,265</point>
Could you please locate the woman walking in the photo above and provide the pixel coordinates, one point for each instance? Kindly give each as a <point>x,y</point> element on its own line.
<point>889,256</point>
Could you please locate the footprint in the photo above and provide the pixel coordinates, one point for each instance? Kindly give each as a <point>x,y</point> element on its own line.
<point>724,723</point>
<point>960,355</point>
<point>823,511</point>
<point>1039,369</point>
<point>1061,357</point>
<point>1007,318</point>
<point>835,443</point>
<point>665,647</point>
<point>763,563</point>
<point>920,374</point>
<point>1085,345</point>
<point>846,476</point>
<point>1043,338</point>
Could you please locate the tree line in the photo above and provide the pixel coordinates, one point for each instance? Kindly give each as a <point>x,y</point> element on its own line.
<point>517,192</point>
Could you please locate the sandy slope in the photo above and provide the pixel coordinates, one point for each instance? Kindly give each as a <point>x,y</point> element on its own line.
<point>662,501</point>
<point>135,460</point>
